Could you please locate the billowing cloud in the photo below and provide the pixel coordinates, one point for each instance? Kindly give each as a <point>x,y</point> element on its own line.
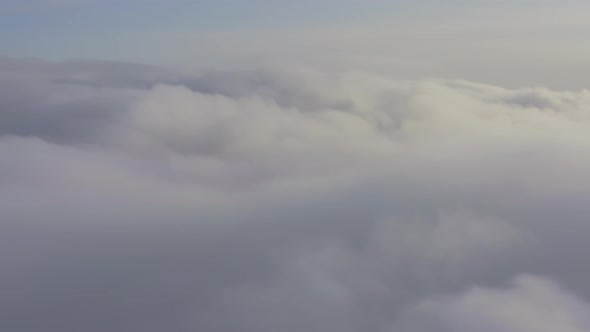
<point>134,198</point>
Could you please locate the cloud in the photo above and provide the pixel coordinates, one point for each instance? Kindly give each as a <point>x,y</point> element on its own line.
<point>135,198</point>
<point>531,304</point>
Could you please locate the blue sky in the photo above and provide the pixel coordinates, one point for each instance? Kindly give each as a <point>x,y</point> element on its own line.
<point>61,30</point>
<point>90,28</point>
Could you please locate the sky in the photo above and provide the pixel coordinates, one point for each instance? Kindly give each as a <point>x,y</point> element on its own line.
<point>263,166</point>
<point>35,26</point>
<point>481,39</point>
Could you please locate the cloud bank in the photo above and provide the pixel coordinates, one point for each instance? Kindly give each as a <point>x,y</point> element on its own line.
<point>133,198</point>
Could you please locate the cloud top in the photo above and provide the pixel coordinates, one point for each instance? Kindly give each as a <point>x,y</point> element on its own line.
<point>135,198</point>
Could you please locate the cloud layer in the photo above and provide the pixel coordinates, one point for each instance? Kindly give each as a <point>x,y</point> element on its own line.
<point>134,198</point>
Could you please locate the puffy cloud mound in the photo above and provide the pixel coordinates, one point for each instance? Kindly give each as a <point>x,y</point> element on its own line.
<point>133,198</point>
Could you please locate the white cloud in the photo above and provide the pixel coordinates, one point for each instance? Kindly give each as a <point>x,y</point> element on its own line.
<point>134,198</point>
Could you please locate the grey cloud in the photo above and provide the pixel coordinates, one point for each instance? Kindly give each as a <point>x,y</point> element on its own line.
<point>135,198</point>
<point>65,101</point>
<point>530,304</point>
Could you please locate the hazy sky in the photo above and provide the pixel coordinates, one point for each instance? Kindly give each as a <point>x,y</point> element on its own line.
<point>482,39</point>
<point>38,27</point>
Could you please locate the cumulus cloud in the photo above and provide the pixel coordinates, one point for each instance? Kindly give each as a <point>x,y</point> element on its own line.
<point>134,198</point>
